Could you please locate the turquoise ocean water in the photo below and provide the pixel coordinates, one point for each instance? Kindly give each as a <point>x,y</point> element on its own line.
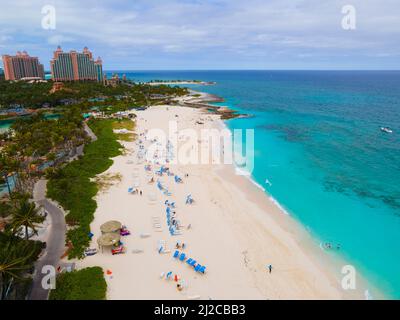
<point>318,142</point>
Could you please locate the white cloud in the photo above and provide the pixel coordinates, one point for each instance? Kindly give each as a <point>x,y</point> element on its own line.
<point>173,48</point>
<point>59,39</point>
<point>239,28</point>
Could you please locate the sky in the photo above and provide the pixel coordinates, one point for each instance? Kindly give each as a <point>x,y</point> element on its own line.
<point>209,34</point>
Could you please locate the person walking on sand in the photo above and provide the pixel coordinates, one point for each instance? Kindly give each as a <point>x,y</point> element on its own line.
<point>270,268</point>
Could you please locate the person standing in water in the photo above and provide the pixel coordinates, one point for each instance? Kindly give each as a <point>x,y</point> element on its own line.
<point>270,268</point>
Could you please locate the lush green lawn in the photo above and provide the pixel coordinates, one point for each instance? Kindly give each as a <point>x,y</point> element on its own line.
<point>85,284</point>
<point>72,188</point>
<point>127,124</point>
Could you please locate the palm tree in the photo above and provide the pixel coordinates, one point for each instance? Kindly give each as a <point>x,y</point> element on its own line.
<point>25,214</point>
<point>15,261</point>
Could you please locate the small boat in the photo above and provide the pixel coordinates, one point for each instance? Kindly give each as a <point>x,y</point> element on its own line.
<point>386,129</point>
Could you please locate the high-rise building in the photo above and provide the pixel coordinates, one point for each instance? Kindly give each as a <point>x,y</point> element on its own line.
<point>75,66</point>
<point>22,66</point>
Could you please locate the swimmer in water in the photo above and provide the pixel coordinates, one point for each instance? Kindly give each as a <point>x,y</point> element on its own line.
<point>328,245</point>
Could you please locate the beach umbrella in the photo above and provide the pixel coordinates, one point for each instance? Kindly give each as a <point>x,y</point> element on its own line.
<point>108,239</point>
<point>110,226</point>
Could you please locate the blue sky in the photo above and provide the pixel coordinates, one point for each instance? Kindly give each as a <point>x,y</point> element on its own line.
<point>213,34</point>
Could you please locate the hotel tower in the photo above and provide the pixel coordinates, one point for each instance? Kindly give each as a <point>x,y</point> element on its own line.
<point>76,66</point>
<point>22,66</point>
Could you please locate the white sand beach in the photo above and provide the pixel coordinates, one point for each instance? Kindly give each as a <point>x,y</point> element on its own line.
<point>236,231</point>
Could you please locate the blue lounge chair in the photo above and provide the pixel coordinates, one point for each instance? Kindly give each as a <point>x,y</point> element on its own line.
<point>197,268</point>
<point>189,199</point>
<point>182,257</point>
<point>193,263</point>
<point>189,261</point>
<point>202,269</point>
<point>176,254</point>
<point>177,179</point>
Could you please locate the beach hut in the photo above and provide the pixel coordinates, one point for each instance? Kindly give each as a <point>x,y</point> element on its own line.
<point>110,226</point>
<point>108,239</point>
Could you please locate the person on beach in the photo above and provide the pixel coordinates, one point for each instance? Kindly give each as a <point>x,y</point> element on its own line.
<point>328,245</point>
<point>141,192</point>
<point>270,268</point>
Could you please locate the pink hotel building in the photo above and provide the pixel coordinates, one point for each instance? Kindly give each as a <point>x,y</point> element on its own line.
<point>22,66</point>
<point>75,66</point>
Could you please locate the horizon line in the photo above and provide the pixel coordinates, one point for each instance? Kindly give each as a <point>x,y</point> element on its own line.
<point>195,70</point>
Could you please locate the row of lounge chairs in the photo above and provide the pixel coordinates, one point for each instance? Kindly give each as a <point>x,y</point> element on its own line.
<point>171,226</point>
<point>191,262</point>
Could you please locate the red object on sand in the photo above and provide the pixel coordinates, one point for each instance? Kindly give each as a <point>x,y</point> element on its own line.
<point>176,278</point>
<point>118,250</point>
<point>109,272</point>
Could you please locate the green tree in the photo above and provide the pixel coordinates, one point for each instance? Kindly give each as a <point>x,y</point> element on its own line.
<point>25,214</point>
<point>16,258</point>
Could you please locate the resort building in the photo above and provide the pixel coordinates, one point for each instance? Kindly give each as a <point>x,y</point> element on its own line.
<point>57,86</point>
<point>76,66</point>
<point>22,66</point>
<point>113,81</point>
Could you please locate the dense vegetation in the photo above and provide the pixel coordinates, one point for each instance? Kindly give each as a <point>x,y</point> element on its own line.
<point>72,188</point>
<point>37,95</point>
<point>22,93</point>
<point>36,142</point>
<point>38,135</point>
<point>17,257</point>
<point>85,284</point>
